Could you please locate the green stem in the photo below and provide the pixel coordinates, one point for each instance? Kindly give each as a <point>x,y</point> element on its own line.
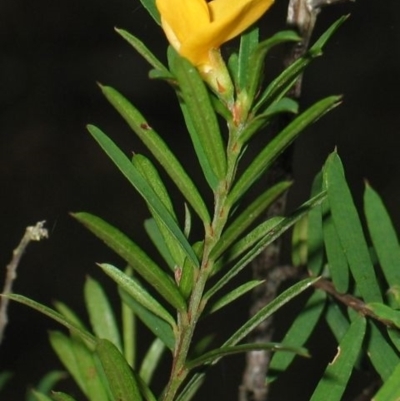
<point>187,321</point>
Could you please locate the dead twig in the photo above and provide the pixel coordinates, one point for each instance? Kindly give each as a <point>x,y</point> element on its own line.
<point>32,233</point>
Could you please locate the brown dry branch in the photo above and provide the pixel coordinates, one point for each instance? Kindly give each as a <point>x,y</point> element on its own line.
<point>32,233</point>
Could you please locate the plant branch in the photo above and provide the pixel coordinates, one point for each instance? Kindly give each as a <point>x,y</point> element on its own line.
<point>32,233</point>
<point>302,16</point>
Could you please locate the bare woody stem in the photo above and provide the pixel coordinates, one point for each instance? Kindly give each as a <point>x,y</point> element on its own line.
<point>32,233</point>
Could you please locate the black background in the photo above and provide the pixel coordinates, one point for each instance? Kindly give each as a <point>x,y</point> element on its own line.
<point>52,52</point>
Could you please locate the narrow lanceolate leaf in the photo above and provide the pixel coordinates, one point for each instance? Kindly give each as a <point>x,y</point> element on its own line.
<point>83,334</point>
<point>268,310</point>
<point>150,6</point>
<point>383,357</point>
<point>349,229</point>
<point>143,187</point>
<point>334,381</point>
<point>300,330</point>
<point>271,235</point>
<point>337,261</point>
<point>385,313</point>
<point>195,95</point>
<point>69,314</point>
<point>282,84</point>
<point>58,396</point>
<point>315,240</point>
<point>149,172</point>
<point>159,149</point>
<point>151,360</point>
<point>47,383</point>
<point>275,147</point>
<point>142,49</point>
<point>248,43</point>
<point>63,347</point>
<point>100,312</point>
<point>248,216</point>
<point>159,327</point>
<point>96,389</point>
<point>120,378</point>
<point>211,356</point>
<point>256,59</point>
<point>80,363</point>
<point>234,295</point>
<point>135,257</point>
<point>336,320</point>
<point>157,239</point>
<point>136,291</point>
<point>38,396</point>
<point>390,389</point>
<point>384,239</point>
<point>255,125</point>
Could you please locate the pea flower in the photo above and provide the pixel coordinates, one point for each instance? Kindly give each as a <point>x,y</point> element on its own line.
<point>197,29</point>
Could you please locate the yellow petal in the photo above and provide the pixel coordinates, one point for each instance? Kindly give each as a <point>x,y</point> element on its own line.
<point>195,27</point>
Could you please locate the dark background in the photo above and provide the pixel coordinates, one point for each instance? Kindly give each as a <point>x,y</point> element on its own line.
<point>52,52</point>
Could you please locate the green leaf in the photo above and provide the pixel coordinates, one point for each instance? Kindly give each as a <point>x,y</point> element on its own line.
<point>334,381</point>
<point>337,322</point>
<point>80,362</point>
<point>211,356</point>
<point>58,396</point>
<point>151,360</point>
<point>205,133</point>
<point>383,357</point>
<point>233,295</point>
<point>122,383</point>
<point>158,326</point>
<point>315,240</point>
<point>390,390</point>
<point>349,229</point>
<point>150,6</point>
<point>100,312</point>
<point>142,49</point>
<point>38,396</point>
<point>159,149</point>
<point>272,235</point>
<point>149,172</point>
<point>47,383</point>
<point>191,387</point>
<point>63,347</point>
<point>45,310</point>
<point>300,330</point>
<point>129,330</point>
<point>5,377</point>
<point>69,314</point>
<point>337,261</point>
<point>143,187</point>
<point>252,238</point>
<point>284,105</point>
<point>283,83</point>
<point>256,60</point>
<point>299,242</point>
<point>385,313</point>
<point>278,144</point>
<point>138,292</point>
<point>248,43</point>
<point>384,238</point>
<point>248,216</point>
<point>157,239</point>
<point>268,310</point>
<point>135,257</point>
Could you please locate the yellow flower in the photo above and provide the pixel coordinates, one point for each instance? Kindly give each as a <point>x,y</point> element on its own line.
<point>196,27</point>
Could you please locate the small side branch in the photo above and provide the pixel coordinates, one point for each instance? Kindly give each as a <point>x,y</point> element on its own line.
<point>32,233</point>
